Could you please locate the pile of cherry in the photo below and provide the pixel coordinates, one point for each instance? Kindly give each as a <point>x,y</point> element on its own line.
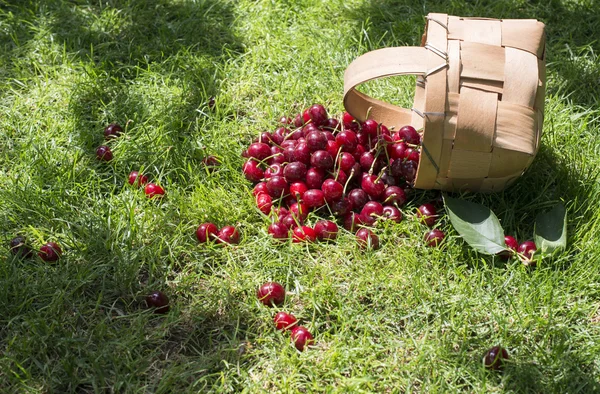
<point>358,172</point>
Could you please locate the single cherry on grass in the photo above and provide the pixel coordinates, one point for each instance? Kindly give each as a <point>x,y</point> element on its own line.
<point>271,293</point>
<point>153,190</point>
<point>284,321</point>
<point>301,337</point>
<point>159,301</point>
<point>495,357</point>
<point>18,247</point>
<point>104,153</point>
<point>228,235</point>
<point>111,131</point>
<point>206,232</point>
<point>211,162</point>
<point>50,252</point>
<point>434,237</point>
<point>137,179</point>
<point>427,214</point>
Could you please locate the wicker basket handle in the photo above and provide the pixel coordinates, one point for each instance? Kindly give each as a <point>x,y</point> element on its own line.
<point>377,64</point>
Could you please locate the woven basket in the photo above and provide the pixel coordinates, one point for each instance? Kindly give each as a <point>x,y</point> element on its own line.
<point>479,99</point>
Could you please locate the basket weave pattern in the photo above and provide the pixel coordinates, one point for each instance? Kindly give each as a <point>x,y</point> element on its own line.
<point>479,99</point>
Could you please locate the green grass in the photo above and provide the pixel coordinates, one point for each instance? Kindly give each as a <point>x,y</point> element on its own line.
<point>402,319</point>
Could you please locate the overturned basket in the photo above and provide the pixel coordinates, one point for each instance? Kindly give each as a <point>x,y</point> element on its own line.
<point>479,99</point>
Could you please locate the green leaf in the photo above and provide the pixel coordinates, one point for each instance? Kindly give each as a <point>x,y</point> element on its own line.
<point>550,231</point>
<point>476,224</point>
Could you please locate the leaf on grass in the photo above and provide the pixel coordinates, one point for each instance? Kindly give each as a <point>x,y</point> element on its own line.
<point>476,224</point>
<point>550,231</point>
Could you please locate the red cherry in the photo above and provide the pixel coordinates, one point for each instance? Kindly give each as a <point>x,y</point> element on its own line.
<point>284,321</point>
<point>50,252</point>
<point>295,172</point>
<point>358,198</point>
<point>347,141</point>
<point>427,214</point>
<point>367,239</point>
<point>409,135</point>
<point>512,246</point>
<point>434,237</point>
<point>527,249</point>
<point>397,150</point>
<point>301,337</point>
<point>349,122</point>
<point>371,211</point>
<point>318,114</point>
<point>211,162</point>
<point>370,127</point>
<point>314,198</point>
<point>495,357</point>
<point>271,293</point>
<point>206,232</point>
<point>252,171</point>
<point>332,189</point>
<point>390,212</point>
<point>394,195</point>
<point>111,131</point>
<point>104,153</point>
<point>326,230</point>
<point>153,190</point>
<point>322,159</point>
<point>278,231</point>
<point>303,234</point>
<point>259,151</point>
<point>158,300</point>
<point>297,190</point>
<point>137,179</point>
<point>316,140</point>
<point>277,186</point>
<point>260,187</point>
<point>264,202</point>
<point>373,186</point>
<point>314,178</point>
<point>299,210</point>
<point>228,235</point>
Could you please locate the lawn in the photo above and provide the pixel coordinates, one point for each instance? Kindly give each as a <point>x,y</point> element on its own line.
<point>404,318</point>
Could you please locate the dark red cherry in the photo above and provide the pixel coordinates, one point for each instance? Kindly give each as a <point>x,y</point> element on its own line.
<point>159,301</point>
<point>271,294</point>
<point>527,249</point>
<point>152,190</point>
<point>367,239</point>
<point>495,358</point>
<point>371,211</point>
<point>18,247</point>
<point>373,186</point>
<point>322,159</point>
<point>277,186</point>
<point>352,221</point>
<point>301,337</point>
<point>228,235</point>
<point>50,252</point>
<point>284,321</point>
<point>434,237</point>
<point>303,234</point>
<point>340,207</point>
<point>316,140</point>
<point>259,150</point>
<point>111,131</point>
<point>390,212</point>
<point>297,190</point>
<point>206,232</point>
<point>332,189</point>
<point>370,127</point>
<point>314,178</point>
<point>314,198</point>
<point>326,230</point>
<point>278,231</point>
<point>294,172</point>
<point>137,179</point>
<point>264,202</point>
<point>427,214</point>
<point>409,135</point>
<point>252,171</point>
<point>394,195</point>
<point>358,198</point>
<point>104,153</point>
<point>512,245</point>
<point>318,114</point>
<point>347,141</point>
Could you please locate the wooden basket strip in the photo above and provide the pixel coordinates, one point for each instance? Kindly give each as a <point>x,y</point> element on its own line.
<point>521,77</point>
<point>477,112</point>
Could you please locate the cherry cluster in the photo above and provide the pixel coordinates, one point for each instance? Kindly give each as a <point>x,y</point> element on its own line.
<point>358,172</point>
<point>524,250</point>
<point>49,252</point>
<point>273,294</point>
